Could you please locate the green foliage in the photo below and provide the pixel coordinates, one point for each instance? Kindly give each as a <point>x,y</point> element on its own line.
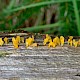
<point>14,15</point>
<point>70,16</point>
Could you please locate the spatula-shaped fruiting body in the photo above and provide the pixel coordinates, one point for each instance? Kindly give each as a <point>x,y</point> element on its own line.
<point>34,45</point>
<point>70,40</point>
<point>61,40</point>
<point>56,40</point>
<point>1,42</point>
<point>6,40</point>
<point>15,42</point>
<point>29,41</point>
<point>18,38</point>
<point>51,44</point>
<point>47,39</point>
<point>75,43</point>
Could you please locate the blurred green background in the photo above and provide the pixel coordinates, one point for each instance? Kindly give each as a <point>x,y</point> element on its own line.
<point>57,17</point>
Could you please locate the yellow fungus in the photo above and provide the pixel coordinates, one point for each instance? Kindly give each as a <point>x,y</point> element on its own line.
<point>6,40</point>
<point>18,38</point>
<point>47,36</point>
<point>32,37</point>
<point>70,42</point>
<point>1,42</point>
<point>51,44</point>
<point>13,39</point>
<point>47,39</point>
<point>29,41</point>
<point>15,43</point>
<point>61,40</point>
<point>70,37</point>
<point>34,45</point>
<point>56,40</point>
<point>75,43</point>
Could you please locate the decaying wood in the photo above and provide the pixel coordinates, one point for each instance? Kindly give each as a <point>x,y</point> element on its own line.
<point>40,63</point>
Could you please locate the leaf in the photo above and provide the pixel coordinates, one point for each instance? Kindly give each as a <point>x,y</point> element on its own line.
<point>42,27</point>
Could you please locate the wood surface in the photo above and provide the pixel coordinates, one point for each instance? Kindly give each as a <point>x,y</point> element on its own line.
<point>39,63</point>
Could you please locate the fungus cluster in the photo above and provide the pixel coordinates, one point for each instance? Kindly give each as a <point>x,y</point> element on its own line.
<point>51,42</point>
<point>60,41</point>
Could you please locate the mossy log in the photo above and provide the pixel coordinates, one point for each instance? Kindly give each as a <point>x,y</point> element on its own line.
<point>39,63</point>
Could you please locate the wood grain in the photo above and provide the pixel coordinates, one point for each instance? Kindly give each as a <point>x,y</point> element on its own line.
<point>40,63</point>
<point>60,63</point>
